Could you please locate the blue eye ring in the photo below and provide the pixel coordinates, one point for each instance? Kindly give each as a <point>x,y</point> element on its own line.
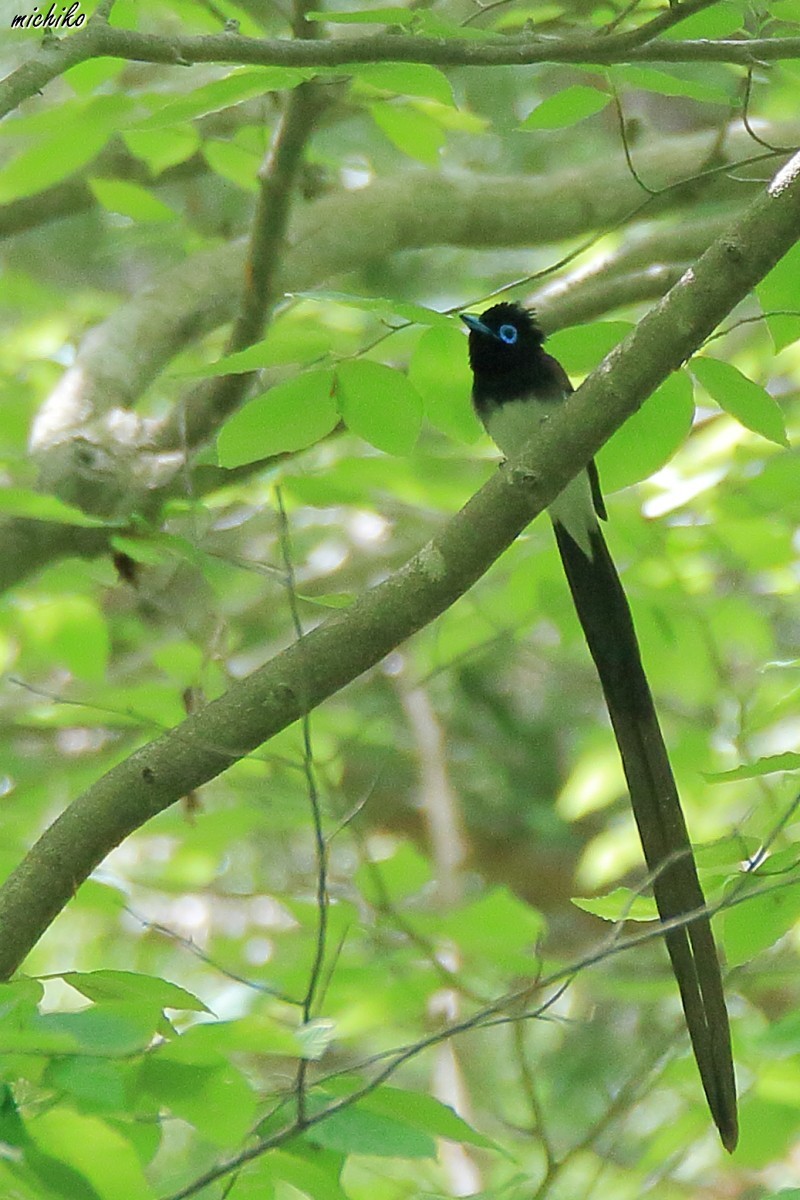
<point>508,334</point>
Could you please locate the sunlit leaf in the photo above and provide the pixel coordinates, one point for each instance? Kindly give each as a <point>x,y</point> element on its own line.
<point>234,163</point>
<point>666,83</point>
<point>49,160</point>
<point>220,93</point>
<point>131,986</point>
<point>119,196</point>
<point>218,1100</point>
<point>411,131</point>
<point>380,405</point>
<point>718,20</point>
<point>290,416</point>
<point>368,16</point>
<point>381,307</point>
<point>407,79</point>
<point>440,372</point>
<point>95,1149</point>
<point>22,502</point>
<point>355,1130</point>
<point>650,436</point>
<point>739,396</point>
<point>426,1113</point>
<point>567,107</point>
<point>70,630</point>
<point>770,908</point>
<point>622,904</point>
<point>162,148</point>
<point>789,761</point>
<point>580,348</point>
<point>779,297</point>
<point>113,1029</point>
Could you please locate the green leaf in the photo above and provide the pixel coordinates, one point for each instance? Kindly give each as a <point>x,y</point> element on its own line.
<point>496,928</point>
<point>234,163</point>
<point>217,1100</point>
<point>368,16</point>
<point>221,93</point>
<point>401,875</point>
<point>758,921</point>
<point>769,1130</point>
<point>790,761</point>
<point>778,293</point>
<point>209,1043</point>
<point>621,904</point>
<point>162,148</point>
<point>718,20</point>
<point>739,396</point>
<point>251,359</point>
<point>413,132</point>
<point>315,1036</point>
<point>439,370</point>
<point>573,104</point>
<point>131,986</point>
<point>96,1150</point>
<point>107,112</point>
<point>310,1169</point>
<point>663,83</point>
<point>580,348</point>
<point>649,437</point>
<point>355,1130</point>
<point>381,307</point>
<point>130,200</point>
<point>95,1083</point>
<point>380,405</point>
<point>406,79</point>
<point>49,161</point>
<point>289,417</point>
<point>113,1030</point>
<point>425,1113</point>
<point>22,502</point>
<point>69,629</point>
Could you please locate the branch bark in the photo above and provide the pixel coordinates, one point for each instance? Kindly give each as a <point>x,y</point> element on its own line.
<point>346,230</point>
<point>336,652</point>
<point>101,40</point>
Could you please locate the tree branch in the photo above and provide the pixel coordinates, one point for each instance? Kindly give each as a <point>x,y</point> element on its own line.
<point>121,357</point>
<point>349,643</point>
<point>99,40</point>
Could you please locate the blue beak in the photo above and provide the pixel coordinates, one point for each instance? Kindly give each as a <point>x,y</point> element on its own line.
<point>476,325</point>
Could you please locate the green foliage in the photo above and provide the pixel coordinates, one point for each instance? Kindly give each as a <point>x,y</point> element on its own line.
<point>569,106</point>
<point>741,397</point>
<point>204,1004</point>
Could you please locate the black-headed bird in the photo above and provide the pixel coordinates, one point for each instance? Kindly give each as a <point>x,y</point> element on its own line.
<point>516,385</point>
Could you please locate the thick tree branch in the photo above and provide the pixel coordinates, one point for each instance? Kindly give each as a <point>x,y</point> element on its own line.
<point>336,652</point>
<point>101,40</point>
<point>343,231</point>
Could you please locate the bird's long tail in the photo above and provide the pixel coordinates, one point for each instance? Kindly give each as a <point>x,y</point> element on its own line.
<point>608,627</point>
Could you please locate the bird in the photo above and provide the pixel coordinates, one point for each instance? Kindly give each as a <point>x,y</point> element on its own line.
<point>516,385</point>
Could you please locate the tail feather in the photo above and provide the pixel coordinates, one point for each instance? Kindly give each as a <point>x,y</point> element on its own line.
<point>608,627</point>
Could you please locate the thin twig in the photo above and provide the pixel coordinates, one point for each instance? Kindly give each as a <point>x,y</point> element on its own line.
<point>320,846</point>
<point>623,133</point>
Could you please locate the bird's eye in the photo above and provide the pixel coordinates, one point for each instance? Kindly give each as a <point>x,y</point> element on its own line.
<point>507,334</point>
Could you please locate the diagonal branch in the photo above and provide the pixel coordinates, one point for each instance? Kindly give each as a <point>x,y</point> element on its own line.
<point>349,643</point>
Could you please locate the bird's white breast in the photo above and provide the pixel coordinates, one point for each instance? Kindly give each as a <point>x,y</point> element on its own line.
<point>514,425</point>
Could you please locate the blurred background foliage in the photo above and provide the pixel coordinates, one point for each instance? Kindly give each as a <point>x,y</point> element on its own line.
<point>469,786</point>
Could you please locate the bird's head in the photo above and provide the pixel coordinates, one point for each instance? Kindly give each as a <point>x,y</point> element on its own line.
<point>502,339</point>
